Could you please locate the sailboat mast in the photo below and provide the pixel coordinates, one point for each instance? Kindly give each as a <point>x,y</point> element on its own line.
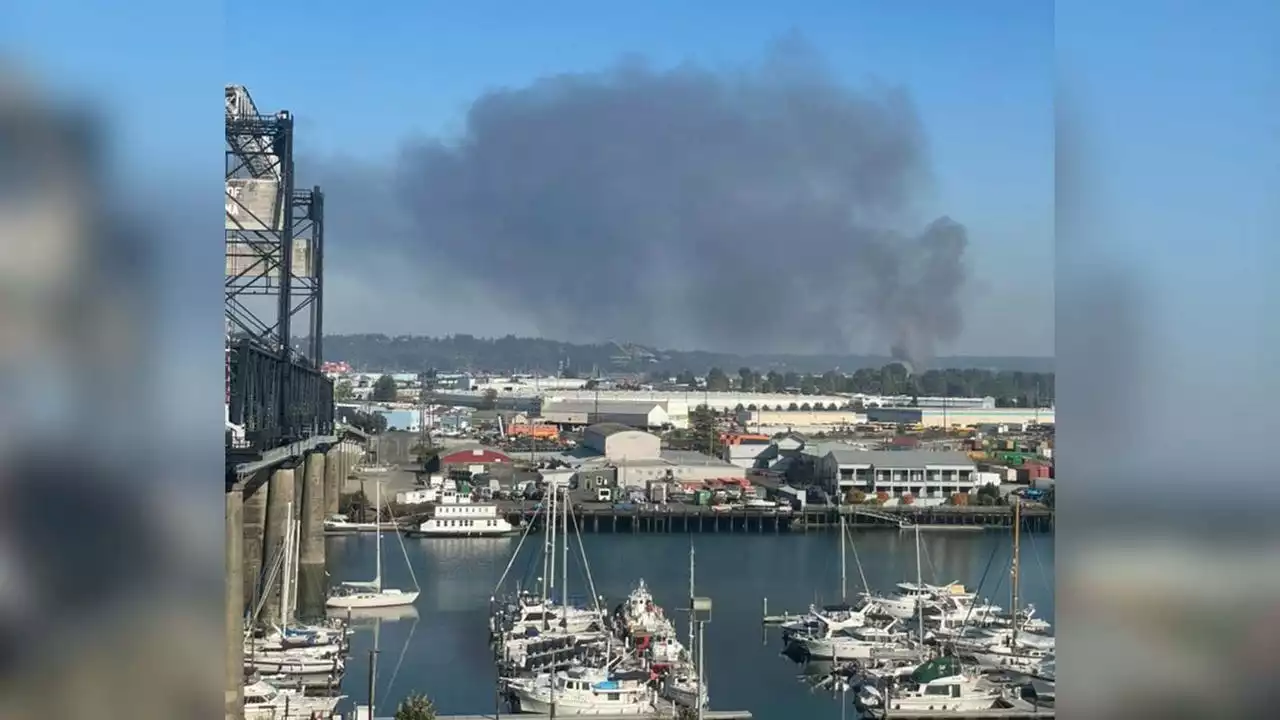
<point>549,519</point>
<point>377,534</point>
<point>287,556</point>
<point>844,582</point>
<point>1017,527</point>
<point>564,565</point>
<point>691,596</point>
<point>919,588</point>
<point>551,544</point>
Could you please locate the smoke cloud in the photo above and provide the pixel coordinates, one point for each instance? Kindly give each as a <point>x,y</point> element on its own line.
<point>751,211</point>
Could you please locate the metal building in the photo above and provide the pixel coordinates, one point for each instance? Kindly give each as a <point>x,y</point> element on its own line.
<point>634,413</point>
<point>619,443</point>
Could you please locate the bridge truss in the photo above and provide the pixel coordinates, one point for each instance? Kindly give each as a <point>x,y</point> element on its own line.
<point>274,235</point>
<point>276,394</point>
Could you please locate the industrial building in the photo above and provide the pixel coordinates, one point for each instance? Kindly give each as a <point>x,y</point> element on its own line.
<point>473,460</point>
<point>633,413</point>
<point>962,417</point>
<point>803,421</point>
<point>929,477</point>
<point>615,455</point>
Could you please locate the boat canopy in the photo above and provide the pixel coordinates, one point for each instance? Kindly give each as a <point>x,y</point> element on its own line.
<point>934,669</point>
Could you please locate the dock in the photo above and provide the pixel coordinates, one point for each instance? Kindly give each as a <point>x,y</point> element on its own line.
<point>706,714</point>
<point>594,517</point>
<point>1022,711</point>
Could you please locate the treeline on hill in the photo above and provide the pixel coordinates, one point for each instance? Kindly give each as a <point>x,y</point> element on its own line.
<point>1009,388</point>
<point>382,353</point>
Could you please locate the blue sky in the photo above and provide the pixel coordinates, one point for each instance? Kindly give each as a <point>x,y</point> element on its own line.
<point>1178,97</point>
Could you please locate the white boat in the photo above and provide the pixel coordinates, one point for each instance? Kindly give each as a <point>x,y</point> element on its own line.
<point>371,594</point>
<point>906,600</point>
<point>531,612</point>
<point>583,691</point>
<point>859,643</point>
<point>299,661</point>
<point>644,617</point>
<point>341,524</point>
<point>263,701</point>
<point>680,686</point>
<point>938,685</point>
<point>455,515</point>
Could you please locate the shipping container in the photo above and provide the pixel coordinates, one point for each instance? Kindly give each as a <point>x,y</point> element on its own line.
<point>703,497</point>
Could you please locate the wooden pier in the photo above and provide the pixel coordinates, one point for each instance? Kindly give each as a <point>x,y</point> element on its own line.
<point>675,518</point>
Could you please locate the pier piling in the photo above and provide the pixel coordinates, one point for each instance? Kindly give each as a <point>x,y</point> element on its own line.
<point>280,494</point>
<point>334,463</point>
<point>311,583</point>
<point>234,631</point>
<point>255,522</point>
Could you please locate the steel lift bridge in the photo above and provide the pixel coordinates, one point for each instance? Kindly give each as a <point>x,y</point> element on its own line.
<point>279,405</point>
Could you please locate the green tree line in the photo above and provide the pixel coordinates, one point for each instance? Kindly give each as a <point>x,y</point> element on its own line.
<point>1010,388</point>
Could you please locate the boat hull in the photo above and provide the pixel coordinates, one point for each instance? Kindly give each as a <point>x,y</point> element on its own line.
<point>533,704</point>
<point>372,600</point>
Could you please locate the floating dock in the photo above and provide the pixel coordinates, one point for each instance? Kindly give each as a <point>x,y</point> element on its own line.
<point>1009,713</point>
<point>707,715</point>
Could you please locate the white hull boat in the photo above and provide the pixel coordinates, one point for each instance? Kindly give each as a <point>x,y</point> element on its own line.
<point>938,685</point>
<point>584,692</point>
<point>385,598</point>
<point>293,663</point>
<point>263,701</point>
<point>371,594</point>
<point>681,688</point>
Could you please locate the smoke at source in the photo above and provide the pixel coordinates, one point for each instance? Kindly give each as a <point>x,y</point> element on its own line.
<point>746,212</point>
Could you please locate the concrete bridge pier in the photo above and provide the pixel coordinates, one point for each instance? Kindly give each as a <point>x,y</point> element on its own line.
<point>255,523</point>
<point>233,685</point>
<point>280,493</point>
<point>333,477</point>
<point>311,578</point>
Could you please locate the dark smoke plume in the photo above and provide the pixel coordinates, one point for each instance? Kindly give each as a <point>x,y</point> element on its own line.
<point>754,211</point>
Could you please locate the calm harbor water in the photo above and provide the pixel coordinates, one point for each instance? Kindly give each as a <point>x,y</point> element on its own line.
<point>444,651</point>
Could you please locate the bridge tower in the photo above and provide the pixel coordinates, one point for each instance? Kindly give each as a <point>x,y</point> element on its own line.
<point>274,235</point>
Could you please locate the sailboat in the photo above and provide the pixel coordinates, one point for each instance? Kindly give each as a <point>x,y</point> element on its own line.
<point>685,684</point>
<point>1015,649</point>
<point>371,594</point>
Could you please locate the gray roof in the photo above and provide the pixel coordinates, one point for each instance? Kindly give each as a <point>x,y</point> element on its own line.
<point>900,458</point>
<point>607,429</point>
<point>693,457</point>
<point>612,407</point>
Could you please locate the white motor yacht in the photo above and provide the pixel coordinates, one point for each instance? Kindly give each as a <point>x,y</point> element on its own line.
<point>904,602</point>
<point>263,701</point>
<point>859,643</point>
<point>583,691</point>
<point>938,685</point>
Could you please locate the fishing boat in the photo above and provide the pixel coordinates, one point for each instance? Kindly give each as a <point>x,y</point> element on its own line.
<point>372,594</point>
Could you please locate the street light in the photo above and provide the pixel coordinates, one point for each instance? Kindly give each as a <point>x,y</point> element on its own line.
<point>701,609</point>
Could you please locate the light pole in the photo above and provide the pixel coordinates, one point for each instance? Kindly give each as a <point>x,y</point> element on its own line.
<point>701,609</point>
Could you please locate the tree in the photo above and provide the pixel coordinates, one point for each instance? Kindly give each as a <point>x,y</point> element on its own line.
<point>793,407</point>
<point>372,423</point>
<point>702,426</point>
<point>717,381</point>
<point>342,391</point>
<point>686,378</point>
<point>416,707</point>
<point>489,400</point>
<point>384,389</point>
<point>746,379</point>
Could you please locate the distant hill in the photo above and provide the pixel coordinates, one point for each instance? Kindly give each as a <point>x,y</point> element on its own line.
<point>377,353</point>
